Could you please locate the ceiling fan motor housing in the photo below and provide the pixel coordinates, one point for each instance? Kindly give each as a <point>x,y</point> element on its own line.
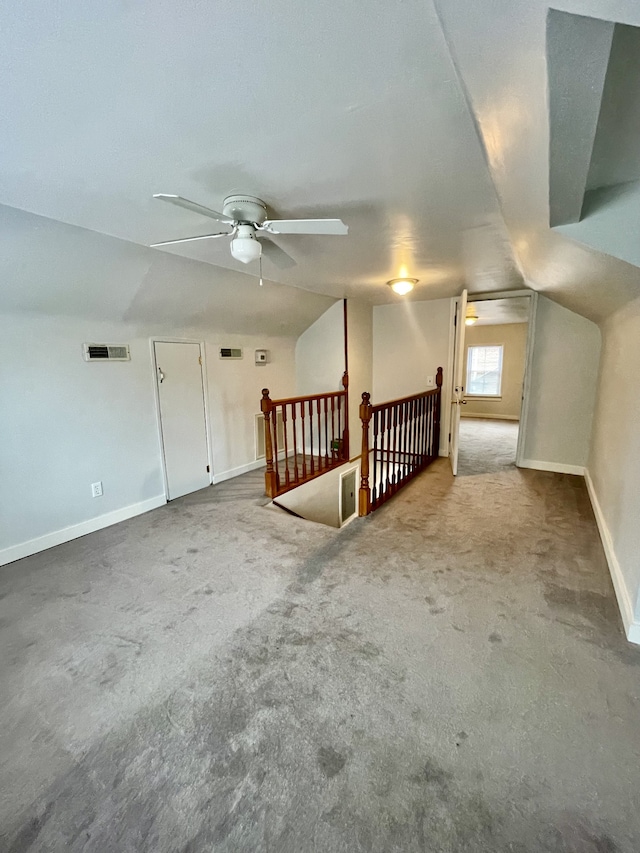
<point>245,209</point>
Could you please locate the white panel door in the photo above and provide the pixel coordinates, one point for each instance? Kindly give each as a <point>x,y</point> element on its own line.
<point>182,418</point>
<point>457,392</point>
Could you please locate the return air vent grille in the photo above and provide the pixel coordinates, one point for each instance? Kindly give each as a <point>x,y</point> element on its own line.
<point>230,352</point>
<point>260,447</point>
<point>106,352</point>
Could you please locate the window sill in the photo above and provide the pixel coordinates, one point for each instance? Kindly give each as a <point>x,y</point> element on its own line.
<point>472,397</point>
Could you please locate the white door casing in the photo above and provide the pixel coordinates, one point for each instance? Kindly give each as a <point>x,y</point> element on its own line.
<point>457,391</point>
<point>183,428</point>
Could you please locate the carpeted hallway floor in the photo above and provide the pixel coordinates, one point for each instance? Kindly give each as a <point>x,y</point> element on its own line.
<point>447,675</point>
<point>487,446</point>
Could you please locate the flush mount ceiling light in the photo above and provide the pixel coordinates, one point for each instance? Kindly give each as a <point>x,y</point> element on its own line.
<point>470,319</point>
<point>402,285</point>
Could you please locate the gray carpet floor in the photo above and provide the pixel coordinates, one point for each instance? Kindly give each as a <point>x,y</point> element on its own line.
<point>448,674</point>
<point>487,446</point>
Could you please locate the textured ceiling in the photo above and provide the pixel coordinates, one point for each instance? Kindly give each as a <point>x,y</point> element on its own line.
<point>423,126</point>
<point>496,312</point>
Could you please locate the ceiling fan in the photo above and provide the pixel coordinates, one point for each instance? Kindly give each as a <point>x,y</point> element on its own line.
<point>246,215</point>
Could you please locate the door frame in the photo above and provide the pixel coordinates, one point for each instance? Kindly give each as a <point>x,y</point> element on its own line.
<point>166,339</point>
<point>459,306</point>
<point>532,295</point>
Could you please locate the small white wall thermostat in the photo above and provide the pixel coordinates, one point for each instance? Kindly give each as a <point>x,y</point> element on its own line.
<point>261,356</point>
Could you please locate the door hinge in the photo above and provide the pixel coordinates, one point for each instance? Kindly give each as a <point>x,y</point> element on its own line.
<point>449,436</point>
<point>455,319</point>
<point>200,360</point>
<point>208,470</point>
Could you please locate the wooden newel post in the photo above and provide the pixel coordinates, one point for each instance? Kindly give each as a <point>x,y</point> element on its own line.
<point>345,432</point>
<point>270,474</point>
<point>436,432</point>
<point>364,504</point>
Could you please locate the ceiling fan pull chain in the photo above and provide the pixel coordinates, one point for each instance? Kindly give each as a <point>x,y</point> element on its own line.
<point>260,270</point>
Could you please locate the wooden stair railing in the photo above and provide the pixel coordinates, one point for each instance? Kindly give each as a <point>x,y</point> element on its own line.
<point>304,437</point>
<point>405,439</point>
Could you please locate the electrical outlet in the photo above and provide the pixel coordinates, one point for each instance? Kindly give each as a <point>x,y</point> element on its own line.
<point>429,381</point>
<point>96,489</point>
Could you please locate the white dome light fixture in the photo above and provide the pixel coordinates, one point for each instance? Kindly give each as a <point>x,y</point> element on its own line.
<point>402,286</point>
<point>245,247</point>
<point>470,319</point>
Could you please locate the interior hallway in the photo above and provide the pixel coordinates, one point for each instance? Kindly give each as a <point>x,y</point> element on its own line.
<point>487,446</point>
<point>449,674</point>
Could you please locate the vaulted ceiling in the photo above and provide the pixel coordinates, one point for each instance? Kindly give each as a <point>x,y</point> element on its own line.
<point>423,125</point>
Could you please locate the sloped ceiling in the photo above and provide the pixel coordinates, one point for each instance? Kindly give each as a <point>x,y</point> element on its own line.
<point>423,126</point>
<point>499,49</point>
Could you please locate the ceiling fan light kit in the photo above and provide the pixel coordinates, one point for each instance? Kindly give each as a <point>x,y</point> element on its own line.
<point>402,286</point>
<point>244,246</point>
<point>246,215</point>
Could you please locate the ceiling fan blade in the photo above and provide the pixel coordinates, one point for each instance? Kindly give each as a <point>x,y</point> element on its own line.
<point>279,257</point>
<point>305,226</point>
<point>193,206</point>
<point>191,239</point>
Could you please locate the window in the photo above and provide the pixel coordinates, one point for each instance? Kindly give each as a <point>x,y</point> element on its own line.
<point>484,371</point>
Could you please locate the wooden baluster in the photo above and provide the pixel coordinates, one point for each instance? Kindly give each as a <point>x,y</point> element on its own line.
<point>416,442</point>
<point>319,409</point>
<point>412,436</point>
<point>388,412</point>
<point>326,432</point>
<point>333,427</point>
<point>313,467</point>
<point>428,441</point>
<point>345,431</point>
<point>364,498</point>
<point>399,470</point>
<point>270,475</point>
<point>428,448</point>
<point>382,485</point>
<point>394,414</point>
<point>286,446</point>
<point>294,426</point>
<point>433,452</point>
<point>418,433</point>
<point>341,426</point>
<point>436,416</point>
<point>405,439</point>
<point>375,486</point>
<point>304,454</point>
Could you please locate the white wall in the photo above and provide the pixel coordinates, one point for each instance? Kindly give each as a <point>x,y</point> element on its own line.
<point>320,358</point>
<point>319,355</point>
<point>410,341</point>
<point>562,390</point>
<point>66,423</point>
<point>614,461</point>
<point>513,338</point>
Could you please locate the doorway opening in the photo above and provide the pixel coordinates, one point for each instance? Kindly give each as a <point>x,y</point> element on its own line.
<point>494,367</point>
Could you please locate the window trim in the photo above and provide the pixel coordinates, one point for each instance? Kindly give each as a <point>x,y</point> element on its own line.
<point>484,396</point>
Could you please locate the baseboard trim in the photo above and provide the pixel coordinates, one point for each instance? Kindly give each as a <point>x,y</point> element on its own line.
<point>74,531</point>
<point>555,467</point>
<point>236,472</point>
<point>490,416</point>
<point>631,627</point>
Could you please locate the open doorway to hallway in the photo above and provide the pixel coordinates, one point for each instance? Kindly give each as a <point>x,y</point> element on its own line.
<point>495,356</point>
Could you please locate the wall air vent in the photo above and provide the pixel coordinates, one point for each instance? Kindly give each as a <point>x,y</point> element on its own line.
<point>230,352</point>
<point>106,352</point>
